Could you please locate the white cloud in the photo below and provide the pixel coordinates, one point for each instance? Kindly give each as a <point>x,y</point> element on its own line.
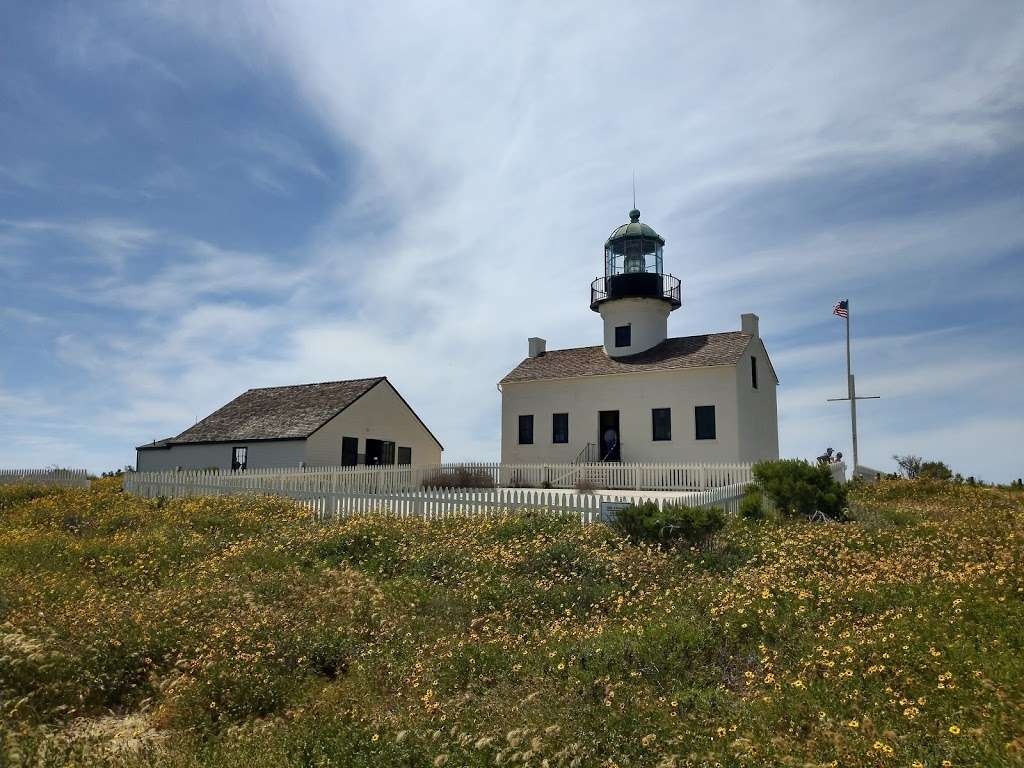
<point>23,316</point>
<point>491,152</point>
<point>82,40</point>
<point>109,240</point>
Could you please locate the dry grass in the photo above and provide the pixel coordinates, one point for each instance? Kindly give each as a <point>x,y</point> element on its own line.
<point>233,632</point>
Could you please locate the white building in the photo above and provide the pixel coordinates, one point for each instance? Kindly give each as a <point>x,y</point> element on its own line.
<point>641,396</point>
<point>360,421</point>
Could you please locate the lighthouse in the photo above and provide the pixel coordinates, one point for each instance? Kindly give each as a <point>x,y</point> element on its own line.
<point>634,296</point>
<point>642,396</point>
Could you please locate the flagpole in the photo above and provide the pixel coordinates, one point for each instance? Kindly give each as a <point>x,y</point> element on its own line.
<point>851,390</point>
<point>842,309</point>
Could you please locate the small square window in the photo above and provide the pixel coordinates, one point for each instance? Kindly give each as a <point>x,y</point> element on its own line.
<point>526,430</point>
<point>704,417</point>
<point>623,336</point>
<point>661,423</point>
<point>404,455</point>
<point>753,371</point>
<point>560,428</point>
<point>239,457</point>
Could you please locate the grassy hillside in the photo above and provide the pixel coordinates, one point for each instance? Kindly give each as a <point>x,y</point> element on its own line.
<point>233,632</point>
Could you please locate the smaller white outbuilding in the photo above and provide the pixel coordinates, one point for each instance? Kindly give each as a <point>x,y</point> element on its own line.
<point>642,396</point>
<point>346,423</point>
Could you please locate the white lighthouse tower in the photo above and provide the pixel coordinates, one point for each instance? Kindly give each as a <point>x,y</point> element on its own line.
<point>635,296</point>
<point>642,396</point>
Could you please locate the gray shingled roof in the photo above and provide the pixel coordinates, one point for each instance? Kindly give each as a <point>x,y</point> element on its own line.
<point>680,352</point>
<point>275,413</point>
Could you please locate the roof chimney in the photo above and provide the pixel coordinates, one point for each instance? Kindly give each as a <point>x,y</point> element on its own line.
<point>748,323</point>
<point>537,346</point>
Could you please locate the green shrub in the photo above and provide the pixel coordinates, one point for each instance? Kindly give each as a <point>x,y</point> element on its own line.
<point>752,505</point>
<point>799,488</point>
<point>935,470</point>
<point>666,526</point>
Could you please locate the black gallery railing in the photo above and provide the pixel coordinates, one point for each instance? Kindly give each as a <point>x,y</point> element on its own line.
<point>636,285</point>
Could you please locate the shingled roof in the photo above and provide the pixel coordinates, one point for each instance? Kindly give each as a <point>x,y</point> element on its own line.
<point>275,413</point>
<point>680,352</point>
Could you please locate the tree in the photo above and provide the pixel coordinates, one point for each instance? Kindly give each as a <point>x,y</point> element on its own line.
<point>909,465</point>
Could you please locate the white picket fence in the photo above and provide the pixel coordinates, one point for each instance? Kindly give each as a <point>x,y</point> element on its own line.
<point>333,493</point>
<point>636,477</point>
<point>336,504</point>
<point>68,478</point>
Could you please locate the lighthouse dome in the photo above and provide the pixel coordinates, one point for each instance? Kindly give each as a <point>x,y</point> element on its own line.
<point>634,228</point>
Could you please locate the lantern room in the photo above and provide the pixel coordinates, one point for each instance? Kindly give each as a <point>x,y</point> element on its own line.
<point>632,248</point>
<point>633,266</point>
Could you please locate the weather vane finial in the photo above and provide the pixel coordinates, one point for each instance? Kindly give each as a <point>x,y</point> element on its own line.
<point>634,189</point>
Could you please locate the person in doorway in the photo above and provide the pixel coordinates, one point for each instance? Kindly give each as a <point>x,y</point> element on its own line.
<point>610,439</point>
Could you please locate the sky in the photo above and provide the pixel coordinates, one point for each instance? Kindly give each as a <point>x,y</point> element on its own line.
<point>197,198</point>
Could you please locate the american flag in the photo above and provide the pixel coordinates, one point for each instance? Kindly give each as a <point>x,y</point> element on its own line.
<point>842,308</point>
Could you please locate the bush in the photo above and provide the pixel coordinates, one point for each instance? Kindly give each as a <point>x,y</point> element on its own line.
<point>518,480</point>
<point>798,488</point>
<point>647,522</point>
<point>585,485</point>
<point>752,505</point>
<point>460,477</point>
<point>935,470</point>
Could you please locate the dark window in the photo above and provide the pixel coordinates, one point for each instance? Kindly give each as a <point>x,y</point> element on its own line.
<point>753,371</point>
<point>704,416</point>
<point>349,451</point>
<point>661,423</point>
<point>622,336</point>
<point>239,457</point>
<point>526,430</point>
<point>560,428</point>
<point>405,455</point>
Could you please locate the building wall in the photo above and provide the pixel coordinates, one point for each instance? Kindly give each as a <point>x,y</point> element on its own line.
<point>633,395</point>
<point>260,454</point>
<point>758,410</point>
<point>647,319</point>
<point>379,414</point>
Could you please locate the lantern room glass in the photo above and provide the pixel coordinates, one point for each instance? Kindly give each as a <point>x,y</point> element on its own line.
<point>629,255</point>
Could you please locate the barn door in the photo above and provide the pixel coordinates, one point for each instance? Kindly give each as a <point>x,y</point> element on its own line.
<point>380,452</point>
<point>349,451</point>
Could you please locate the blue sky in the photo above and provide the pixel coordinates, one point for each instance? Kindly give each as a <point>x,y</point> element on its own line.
<point>201,197</point>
